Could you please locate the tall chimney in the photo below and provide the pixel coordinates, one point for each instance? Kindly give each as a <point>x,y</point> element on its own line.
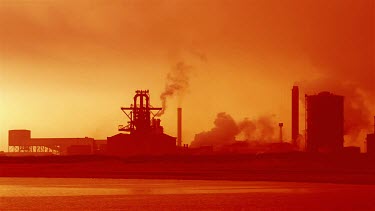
<point>295,114</point>
<point>281,131</point>
<point>179,127</point>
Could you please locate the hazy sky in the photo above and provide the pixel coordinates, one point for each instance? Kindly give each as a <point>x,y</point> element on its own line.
<point>66,67</point>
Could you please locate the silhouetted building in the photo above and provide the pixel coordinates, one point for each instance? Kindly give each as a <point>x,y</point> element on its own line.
<point>254,147</point>
<point>351,150</point>
<point>79,150</point>
<point>100,146</point>
<point>145,134</point>
<point>295,114</point>
<point>141,144</point>
<point>325,122</point>
<point>370,142</point>
<point>20,141</point>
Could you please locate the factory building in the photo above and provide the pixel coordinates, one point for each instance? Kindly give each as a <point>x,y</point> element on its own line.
<point>295,115</point>
<point>144,134</point>
<point>324,122</point>
<point>21,143</point>
<point>370,142</point>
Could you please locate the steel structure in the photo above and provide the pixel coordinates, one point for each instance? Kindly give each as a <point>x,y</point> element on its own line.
<point>144,135</point>
<point>140,114</point>
<point>20,141</point>
<point>35,149</point>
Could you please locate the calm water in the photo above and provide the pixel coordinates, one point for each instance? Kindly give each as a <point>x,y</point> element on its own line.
<point>130,194</point>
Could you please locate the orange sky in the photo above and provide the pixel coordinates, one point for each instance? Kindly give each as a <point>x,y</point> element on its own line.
<point>67,66</point>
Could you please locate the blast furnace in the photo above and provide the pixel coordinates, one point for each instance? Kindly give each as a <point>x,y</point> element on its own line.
<point>144,134</point>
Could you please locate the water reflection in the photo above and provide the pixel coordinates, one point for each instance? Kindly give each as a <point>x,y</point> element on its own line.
<point>141,194</point>
<point>13,187</point>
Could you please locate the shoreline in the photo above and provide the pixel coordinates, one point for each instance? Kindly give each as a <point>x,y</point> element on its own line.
<point>271,167</point>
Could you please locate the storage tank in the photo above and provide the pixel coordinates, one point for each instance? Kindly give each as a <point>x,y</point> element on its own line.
<point>19,137</point>
<point>325,122</point>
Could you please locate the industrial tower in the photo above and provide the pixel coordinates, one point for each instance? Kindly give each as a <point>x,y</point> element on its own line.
<point>325,122</point>
<point>144,135</point>
<point>141,115</point>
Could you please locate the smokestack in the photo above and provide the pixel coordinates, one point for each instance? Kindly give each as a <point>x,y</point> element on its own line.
<point>179,127</point>
<point>295,114</point>
<point>281,131</point>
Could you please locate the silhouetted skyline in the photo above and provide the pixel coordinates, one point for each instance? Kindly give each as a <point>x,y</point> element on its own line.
<point>65,66</point>
<point>244,104</point>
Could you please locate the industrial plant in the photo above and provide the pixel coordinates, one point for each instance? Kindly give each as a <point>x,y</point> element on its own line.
<point>144,135</point>
<point>21,143</point>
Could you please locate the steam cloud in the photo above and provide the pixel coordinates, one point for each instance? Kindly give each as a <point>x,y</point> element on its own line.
<point>177,83</point>
<point>226,129</point>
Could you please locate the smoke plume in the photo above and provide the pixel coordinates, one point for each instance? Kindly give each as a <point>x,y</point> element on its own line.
<point>226,129</point>
<point>223,132</point>
<point>248,128</point>
<point>266,128</point>
<point>177,83</point>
